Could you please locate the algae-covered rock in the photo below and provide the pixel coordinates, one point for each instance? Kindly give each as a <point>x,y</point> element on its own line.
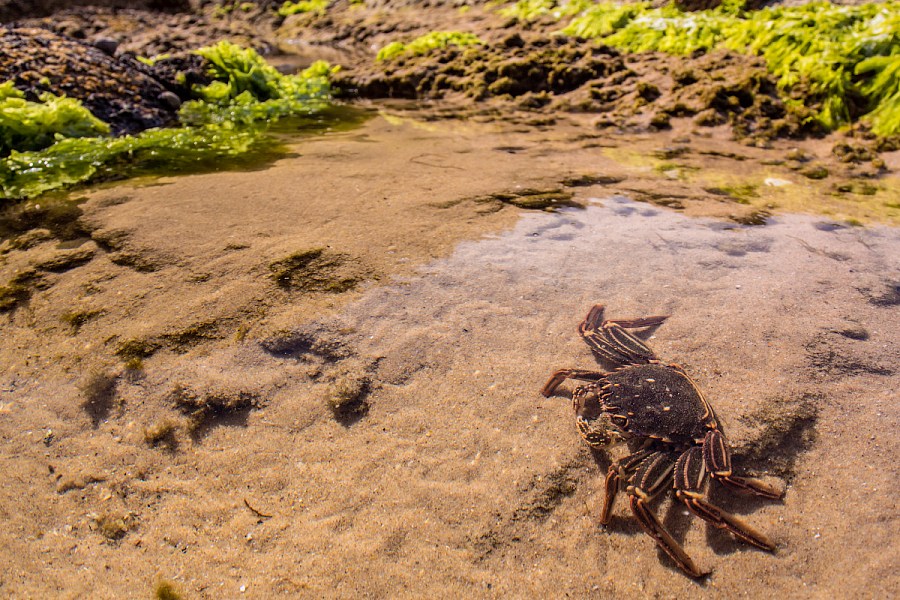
<point>512,67</point>
<point>119,91</point>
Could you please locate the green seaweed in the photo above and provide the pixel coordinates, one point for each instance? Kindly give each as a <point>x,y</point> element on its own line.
<point>74,160</point>
<point>152,60</point>
<point>238,70</point>
<point>26,125</point>
<point>843,60</point>
<point>426,43</point>
<point>76,319</point>
<point>883,91</point>
<point>303,6</point>
<point>247,89</point>
<point>529,10</point>
<point>166,590</point>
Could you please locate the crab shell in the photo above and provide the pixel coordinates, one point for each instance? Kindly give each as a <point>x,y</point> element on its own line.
<point>652,400</point>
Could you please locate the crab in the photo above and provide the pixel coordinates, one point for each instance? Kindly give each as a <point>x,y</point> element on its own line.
<point>671,429</point>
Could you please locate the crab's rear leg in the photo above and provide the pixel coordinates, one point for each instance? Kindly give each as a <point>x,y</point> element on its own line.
<point>610,340</point>
<point>717,458</point>
<point>652,476</point>
<point>561,375</point>
<point>690,474</point>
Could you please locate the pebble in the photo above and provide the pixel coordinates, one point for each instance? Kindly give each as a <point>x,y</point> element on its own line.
<point>107,45</point>
<point>170,99</point>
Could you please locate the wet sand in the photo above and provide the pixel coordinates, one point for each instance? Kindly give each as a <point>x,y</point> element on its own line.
<point>385,436</point>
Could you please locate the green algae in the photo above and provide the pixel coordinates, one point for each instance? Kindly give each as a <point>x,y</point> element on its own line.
<point>27,125</point>
<point>229,119</point>
<point>426,43</point>
<point>303,6</point>
<point>529,10</point>
<point>238,70</point>
<point>166,590</point>
<point>75,160</point>
<point>76,319</point>
<point>841,61</point>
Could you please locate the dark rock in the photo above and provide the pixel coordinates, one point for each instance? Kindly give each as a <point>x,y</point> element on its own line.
<point>170,99</point>
<point>121,92</point>
<point>20,9</point>
<point>107,45</point>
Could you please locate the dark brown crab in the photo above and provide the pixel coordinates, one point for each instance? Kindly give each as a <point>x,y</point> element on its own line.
<point>672,430</point>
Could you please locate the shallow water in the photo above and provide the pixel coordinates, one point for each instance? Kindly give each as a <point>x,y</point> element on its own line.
<point>455,474</point>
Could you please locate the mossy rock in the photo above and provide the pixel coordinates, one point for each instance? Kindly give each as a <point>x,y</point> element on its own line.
<point>815,172</point>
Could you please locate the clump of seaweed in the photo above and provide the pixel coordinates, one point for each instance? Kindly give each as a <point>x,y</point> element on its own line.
<point>74,160</point>
<point>136,349</point>
<point>205,409</point>
<point>76,319</point>
<point>428,42</point>
<point>534,199</point>
<point>346,396</point>
<point>303,6</point>
<point>27,125</point>
<point>113,525</point>
<point>246,89</point>
<point>52,216</point>
<point>742,193</point>
<point>530,10</point>
<point>17,290</point>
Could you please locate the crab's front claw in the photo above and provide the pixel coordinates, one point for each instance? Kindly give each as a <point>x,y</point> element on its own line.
<point>561,375</point>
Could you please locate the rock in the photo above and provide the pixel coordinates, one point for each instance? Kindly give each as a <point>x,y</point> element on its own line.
<point>170,99</point>
<point>107,45</point>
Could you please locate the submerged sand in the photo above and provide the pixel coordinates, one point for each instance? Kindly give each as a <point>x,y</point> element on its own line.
<point>321,378</point>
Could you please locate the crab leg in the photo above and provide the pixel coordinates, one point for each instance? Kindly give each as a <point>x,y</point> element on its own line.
<point>718,460</point>
<point>592,320</point>
<point>690,474</point>
<point>604,346</point>
<point>617,472</point>
<point>561,375</point>
<point>652,477</point>
<point>663,539</point>
<point>609,339</point>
